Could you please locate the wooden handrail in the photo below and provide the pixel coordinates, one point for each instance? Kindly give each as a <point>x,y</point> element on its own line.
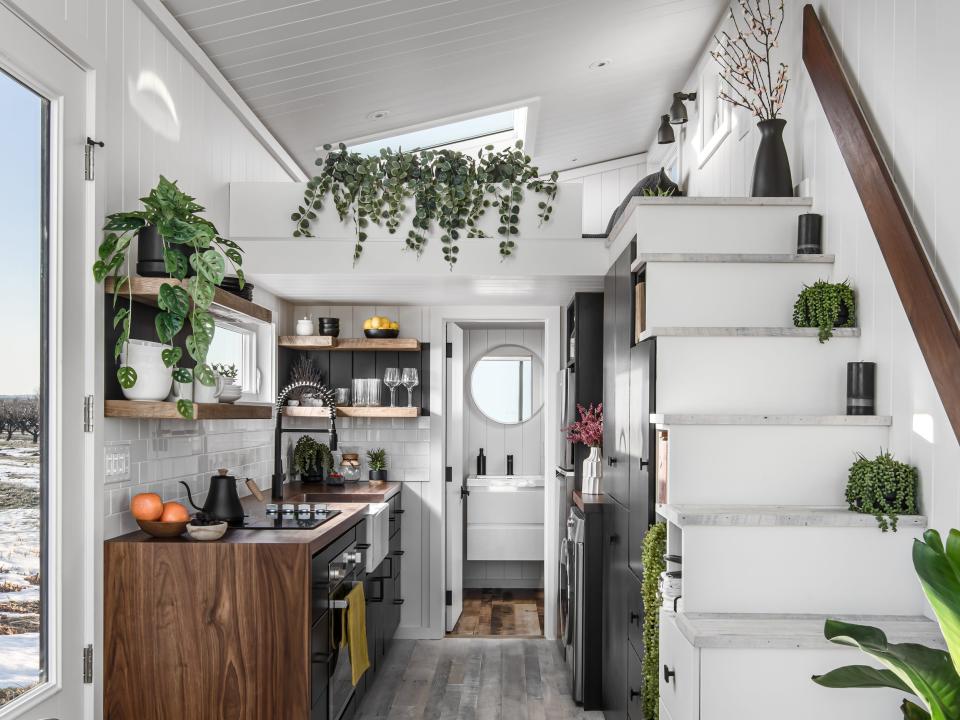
<point>930,316</point>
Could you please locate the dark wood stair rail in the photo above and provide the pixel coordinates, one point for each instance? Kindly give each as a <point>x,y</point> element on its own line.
<point>930,316</point>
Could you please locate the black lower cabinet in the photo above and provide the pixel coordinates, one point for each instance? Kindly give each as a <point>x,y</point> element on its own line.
<point>634,684</point>
<point>615,616</point>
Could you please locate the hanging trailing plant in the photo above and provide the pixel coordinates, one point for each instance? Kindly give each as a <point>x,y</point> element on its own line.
<point>654,548</point>
<point>447,188</point>
<point>189,242</point>
<point>826,306</point>
<point>311,457</point>
<point>884,488</point>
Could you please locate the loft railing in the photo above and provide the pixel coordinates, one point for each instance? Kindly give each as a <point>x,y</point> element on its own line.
<point>930,316</point>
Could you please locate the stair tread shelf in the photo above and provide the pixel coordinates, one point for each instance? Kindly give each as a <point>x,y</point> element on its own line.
<point>776,516</point>
<point>772,419</point>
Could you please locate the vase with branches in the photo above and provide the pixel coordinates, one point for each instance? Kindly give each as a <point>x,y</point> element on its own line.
<point>750,78</point>
<point>588,430</point>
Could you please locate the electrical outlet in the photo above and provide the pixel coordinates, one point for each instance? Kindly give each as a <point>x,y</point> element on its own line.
<point>116,462</point>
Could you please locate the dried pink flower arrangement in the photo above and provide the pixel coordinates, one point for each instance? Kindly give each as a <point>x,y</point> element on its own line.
<point>589,428</point>
<point>747,78</point>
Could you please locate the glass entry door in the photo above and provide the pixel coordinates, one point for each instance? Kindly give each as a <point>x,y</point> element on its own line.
<point>45,573</point>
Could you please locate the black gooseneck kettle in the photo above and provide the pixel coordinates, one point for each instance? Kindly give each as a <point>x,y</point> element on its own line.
<point>223,500</point>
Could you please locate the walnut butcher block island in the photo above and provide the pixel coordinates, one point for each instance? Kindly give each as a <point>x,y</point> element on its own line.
<point>226,629</point>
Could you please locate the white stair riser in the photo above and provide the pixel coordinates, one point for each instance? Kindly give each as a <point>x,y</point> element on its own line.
<point>693,294</point>
<point>819,570</point>
<point>765,464</point>
<point>717,229</point>
<point>745,375</point>
<point>763,684</point>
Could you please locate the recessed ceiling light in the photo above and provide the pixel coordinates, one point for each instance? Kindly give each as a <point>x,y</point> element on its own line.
<point>377,114</point>
<point>601,64</point>
<point>574,159</point>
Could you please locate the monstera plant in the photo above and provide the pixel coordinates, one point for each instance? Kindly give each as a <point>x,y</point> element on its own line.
<point>928,674</point>
<point>189,242</point>
<point>446,187</point>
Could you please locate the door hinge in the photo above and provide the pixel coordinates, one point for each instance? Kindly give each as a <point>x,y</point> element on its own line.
<point>89,160</point>
<point>88,664</point>
<point>448,474</point>
<point>449,598</point>
<point>88,413</point>
<point>449,349</point>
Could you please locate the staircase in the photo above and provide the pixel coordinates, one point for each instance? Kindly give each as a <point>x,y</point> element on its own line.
<point>751,412</point>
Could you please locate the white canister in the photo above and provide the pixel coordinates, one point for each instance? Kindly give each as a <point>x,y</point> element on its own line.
<point>207,393</point>
<point>305,326</point>
<point>592,472</point>
<point>153,377</point>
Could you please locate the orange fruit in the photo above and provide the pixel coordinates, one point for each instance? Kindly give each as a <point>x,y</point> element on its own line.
<point>146,506</point>
<point>174,512</point>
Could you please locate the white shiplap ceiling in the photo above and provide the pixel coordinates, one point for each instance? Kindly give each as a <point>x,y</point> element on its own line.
<point>313,69</point>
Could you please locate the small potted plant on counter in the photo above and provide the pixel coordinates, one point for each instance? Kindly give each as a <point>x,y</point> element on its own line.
<point>377,462</point>
<point>826,306</point>
<point>882,487</point>
<point>231,386</point>
<point>588,430</point>
<point>312,460</point>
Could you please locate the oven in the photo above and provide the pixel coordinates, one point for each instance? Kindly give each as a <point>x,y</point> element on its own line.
<point>343,572</point>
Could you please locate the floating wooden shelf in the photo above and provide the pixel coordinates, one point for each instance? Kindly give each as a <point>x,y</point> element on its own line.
<point>324,342</point>
<point>161,410</point>
<point>226,306</point>
<point>349,411</point>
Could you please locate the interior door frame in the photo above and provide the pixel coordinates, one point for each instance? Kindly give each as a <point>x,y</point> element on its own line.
<point>453,458</point>
<point>72,204</point>
<point>550,317</point>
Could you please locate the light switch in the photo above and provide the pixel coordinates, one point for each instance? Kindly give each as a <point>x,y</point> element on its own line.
<point>116,462</point>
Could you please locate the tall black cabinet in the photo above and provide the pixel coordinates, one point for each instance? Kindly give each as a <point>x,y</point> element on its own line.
<point>584,366</point>
<point>629,371</point>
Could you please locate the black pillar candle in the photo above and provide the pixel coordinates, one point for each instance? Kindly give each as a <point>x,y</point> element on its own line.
<point>861,388</point>
<point>809,234</point>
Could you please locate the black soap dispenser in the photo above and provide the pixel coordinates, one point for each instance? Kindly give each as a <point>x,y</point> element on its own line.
<point>481,463</point>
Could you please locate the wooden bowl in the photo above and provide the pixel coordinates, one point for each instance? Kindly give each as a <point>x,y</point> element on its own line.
<point>378,334</point>
<point>162,529</point>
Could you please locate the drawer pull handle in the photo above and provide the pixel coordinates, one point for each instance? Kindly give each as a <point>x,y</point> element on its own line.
<point>644,463</point>
<point>322,657</point>
<point>363,546</point>
<point>634,617</point>
<point>614,539</point>
<point>398,601</point>
<point>611,461</point>
<point>398,553</point>
<point>399,512</point>
<point>634,694</point>
<point>669,674</point>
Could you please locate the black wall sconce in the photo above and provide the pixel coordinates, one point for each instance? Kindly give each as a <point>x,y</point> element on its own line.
<point>665,134</point>
<point>678,111</point>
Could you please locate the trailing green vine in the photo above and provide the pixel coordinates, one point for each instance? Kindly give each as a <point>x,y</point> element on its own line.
<point>447,188</point>
<point>311,457</point>
<point>189,242</point>
<point>820,305</point>
<point>884,488</point>
<point>654,548</point>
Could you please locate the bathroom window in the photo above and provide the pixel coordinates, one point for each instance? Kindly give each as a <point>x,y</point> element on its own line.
<point>237,345</point>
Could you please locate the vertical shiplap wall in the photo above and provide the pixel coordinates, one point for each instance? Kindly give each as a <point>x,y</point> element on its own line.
<point>902,56</point>
<point>523,441</point>
<point>604,187</point>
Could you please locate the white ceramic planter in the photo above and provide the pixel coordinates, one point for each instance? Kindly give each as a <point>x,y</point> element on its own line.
<point>154,379</point>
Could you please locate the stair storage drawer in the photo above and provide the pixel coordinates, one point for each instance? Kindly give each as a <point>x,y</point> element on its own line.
<point>635,612</point>
<point>679,671</point>
<point>504,542</point>
<point>634,684</point>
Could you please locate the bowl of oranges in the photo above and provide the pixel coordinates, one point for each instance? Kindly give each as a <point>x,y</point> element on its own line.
<point>158,518</point>
<point>380,327</point>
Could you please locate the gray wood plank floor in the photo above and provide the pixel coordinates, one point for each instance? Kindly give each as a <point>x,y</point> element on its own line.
<point>472,679</point>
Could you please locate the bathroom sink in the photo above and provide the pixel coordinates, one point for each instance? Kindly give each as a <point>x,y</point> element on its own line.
<point>505,482</point>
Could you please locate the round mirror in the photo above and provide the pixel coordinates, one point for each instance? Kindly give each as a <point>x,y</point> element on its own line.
<point>506,384</point>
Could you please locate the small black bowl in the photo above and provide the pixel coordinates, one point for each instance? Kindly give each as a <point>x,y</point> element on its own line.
<point>381,334</point>
<point>329,333</point>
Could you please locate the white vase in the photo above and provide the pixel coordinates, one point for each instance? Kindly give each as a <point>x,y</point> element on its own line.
<point>592,472</point>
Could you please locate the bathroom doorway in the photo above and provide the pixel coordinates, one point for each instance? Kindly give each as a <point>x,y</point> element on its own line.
<point>495,494</point>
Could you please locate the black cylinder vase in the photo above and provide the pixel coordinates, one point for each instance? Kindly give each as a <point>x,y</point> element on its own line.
<point>861,388</point>
<point>771,171</point>
<point>809,234</point>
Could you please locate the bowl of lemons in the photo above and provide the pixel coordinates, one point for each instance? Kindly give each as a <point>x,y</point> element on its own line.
<point>380,327</point>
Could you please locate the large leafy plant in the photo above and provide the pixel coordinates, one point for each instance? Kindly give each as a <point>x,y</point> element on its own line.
<point>447,188</point>
<point>926,673</point>
<point>819,305</point>
<point>654,548</point>
<point>190,242</point>
<point>882,487</point>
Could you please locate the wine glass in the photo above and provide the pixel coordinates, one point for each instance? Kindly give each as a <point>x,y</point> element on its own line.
<point>410,380</point>
<point>391,378</point>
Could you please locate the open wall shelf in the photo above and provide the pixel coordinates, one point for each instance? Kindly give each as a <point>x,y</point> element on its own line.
<point>160,410</point>
<point>357,412</point>
<point>325,342</point>
<point>226,306</point>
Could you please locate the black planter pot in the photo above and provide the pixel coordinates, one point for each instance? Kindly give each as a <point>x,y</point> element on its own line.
<point>771,171</point>
<point>378,474</point>
<point>307,479</point>
<point>150,254</point>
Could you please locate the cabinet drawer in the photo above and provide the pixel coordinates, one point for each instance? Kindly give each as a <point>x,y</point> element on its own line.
<point>492,507</point>
<point>679,692</point>
<point>635,613</point>
<point>504,542</point>
<point>319,660</point>
<point>634,684</point>
<point>396,513</point>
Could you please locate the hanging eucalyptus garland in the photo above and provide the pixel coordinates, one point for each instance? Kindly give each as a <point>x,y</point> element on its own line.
<point>446,187</point>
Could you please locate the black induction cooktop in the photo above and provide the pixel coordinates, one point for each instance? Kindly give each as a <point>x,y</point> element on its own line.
<point>287,521</point>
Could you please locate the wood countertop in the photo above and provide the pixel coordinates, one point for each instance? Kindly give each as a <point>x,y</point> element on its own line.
<point>588,503</point>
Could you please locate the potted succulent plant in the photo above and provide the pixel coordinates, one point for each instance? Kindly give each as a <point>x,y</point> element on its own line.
<point>826,306</point>
<point>882,487</point>
<point>312,460</point>
<point>588,430</point>
<point>377,462</point>
<point>232,389</point>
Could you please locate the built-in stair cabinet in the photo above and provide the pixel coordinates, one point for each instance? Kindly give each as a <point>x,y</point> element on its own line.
<point>585,333</point>
<point>629,392</point>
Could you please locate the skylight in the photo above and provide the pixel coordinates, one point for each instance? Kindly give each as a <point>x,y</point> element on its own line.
<point>499,129</point>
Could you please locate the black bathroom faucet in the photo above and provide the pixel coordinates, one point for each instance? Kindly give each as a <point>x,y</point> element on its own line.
<point>509,464</point>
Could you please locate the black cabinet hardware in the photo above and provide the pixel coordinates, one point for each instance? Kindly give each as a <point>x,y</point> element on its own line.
<point>398,601</point>
<point>322,657</point>
<point>611,461</point>
<point>644,463</point>
<point>614,539</point>
<point>634,694</point>
<point>398,553</point>
<point>373,598</point>
<point>668,674</point>
<point>399,512</point>
<point>635,617</point>
<point>363,546</point>
<point>464,491</point>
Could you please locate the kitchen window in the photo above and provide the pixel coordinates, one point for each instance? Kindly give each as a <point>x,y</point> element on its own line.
<point>237,345</point>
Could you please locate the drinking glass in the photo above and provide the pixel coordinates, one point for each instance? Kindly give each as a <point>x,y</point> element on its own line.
<point>391,378</point>
<point>373,392</point>
<point>410,379</point>
<point>359,394</point>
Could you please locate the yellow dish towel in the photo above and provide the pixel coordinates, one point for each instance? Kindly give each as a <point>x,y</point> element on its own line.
<point>354,633</point>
